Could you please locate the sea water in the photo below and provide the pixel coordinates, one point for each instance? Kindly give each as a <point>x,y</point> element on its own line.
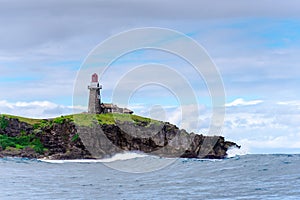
<point>239,177</point>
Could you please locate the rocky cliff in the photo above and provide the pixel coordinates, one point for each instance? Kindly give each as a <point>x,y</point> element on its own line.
<point>103,136</point>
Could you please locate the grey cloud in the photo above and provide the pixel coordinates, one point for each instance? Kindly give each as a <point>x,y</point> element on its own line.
<point>33,23</point>
<point>155,8</point>
<point>70,29</point>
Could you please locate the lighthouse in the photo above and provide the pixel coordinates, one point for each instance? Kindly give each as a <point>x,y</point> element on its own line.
<point>94,97</point>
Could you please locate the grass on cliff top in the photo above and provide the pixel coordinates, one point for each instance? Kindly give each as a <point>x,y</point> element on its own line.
<point>85,119</point>
<point>23,119</point>
<point>111,118</point>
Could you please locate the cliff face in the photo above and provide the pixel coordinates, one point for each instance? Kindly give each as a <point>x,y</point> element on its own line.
<point>65,140</point>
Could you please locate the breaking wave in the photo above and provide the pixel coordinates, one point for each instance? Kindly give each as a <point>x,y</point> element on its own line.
<point>117,157</point>
<point>233,152</point>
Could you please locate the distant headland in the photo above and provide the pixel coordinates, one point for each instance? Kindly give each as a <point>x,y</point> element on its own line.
<point>79,137</point>
<point>103,131</point>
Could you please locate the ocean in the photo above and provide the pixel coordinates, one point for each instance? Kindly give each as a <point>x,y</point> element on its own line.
<point>136,176</point>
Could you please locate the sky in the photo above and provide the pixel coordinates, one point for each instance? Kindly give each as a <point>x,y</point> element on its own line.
<point>255,46</point>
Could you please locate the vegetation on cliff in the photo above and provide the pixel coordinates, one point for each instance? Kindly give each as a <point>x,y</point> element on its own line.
<point>18,133</point>
<point>82,136</point>
<point>21,142</point>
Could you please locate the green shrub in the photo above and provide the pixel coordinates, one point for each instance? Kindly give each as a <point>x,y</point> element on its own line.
<point>37,145</point>
<point>6,141</point>
<point>36,126</point>
<point>20,142</point>
<point>3,122</point>
<point>22,132</point>
<point>19,146</point>
<point>75,137</point>
<point>43,124</point>
<point>59,120</point>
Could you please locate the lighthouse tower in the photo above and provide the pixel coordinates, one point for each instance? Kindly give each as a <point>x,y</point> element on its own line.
<point>94,98</point>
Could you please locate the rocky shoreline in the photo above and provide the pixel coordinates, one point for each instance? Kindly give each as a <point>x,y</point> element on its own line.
<point>62,138</point>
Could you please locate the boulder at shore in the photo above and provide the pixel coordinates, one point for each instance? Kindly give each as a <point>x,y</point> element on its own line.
<point>86,136</point>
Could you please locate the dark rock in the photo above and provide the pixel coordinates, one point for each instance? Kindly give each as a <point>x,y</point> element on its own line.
<point>15,128</point>
<point>68,141</point>
<point>166,140</point>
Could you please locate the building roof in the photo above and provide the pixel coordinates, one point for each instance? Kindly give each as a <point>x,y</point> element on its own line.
<point>126,110</point>
<point>113,106</point>
<point>108,105</point>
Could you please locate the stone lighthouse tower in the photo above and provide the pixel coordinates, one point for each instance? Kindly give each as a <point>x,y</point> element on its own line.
<point>94,97</point>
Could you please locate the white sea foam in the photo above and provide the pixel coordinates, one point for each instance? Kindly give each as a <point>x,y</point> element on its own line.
<point>119,156</point>
<point>233,152</point>
<point>69,161</point>
<point>124,156</point>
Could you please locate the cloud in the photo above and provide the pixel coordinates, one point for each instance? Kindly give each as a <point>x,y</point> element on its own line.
<point>76,26</point>
<point>268,127</point>
<point>295,103</point>
<point>37,109</point>
<point>262,127</point>
<point>242,102</point>
<point>261,131</point>
<point>192,117</point>
<point>283,143</point>
<point>67,31</point>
